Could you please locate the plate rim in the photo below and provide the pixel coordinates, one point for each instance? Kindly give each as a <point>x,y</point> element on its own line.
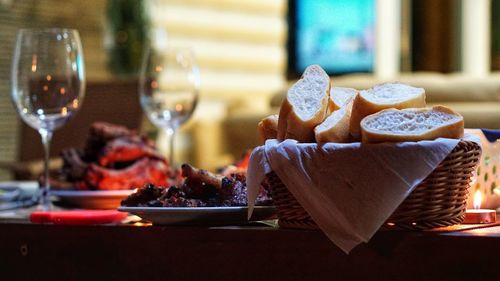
<point>189,209</point>
<point>91,193</point>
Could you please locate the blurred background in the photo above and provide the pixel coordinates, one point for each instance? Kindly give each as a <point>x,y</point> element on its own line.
<point>249,52</point>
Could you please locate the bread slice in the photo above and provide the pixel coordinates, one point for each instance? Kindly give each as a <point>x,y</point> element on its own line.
<point>305,105</point>
<point>283,115</point>
<point>340,96</point>
<point>383,96</point>
<point>268,128</point>
<point>412,124</point>
<point>335,128</point>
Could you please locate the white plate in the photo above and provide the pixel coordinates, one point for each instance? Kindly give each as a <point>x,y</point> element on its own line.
<point>92,199</point>
<point>200,215</point>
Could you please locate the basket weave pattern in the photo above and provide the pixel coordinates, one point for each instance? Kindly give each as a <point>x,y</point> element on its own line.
<point>439,200</point>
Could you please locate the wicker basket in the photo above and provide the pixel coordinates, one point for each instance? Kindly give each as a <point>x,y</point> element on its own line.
<point>440,200</point>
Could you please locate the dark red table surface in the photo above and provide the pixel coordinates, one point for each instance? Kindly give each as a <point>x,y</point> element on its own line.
<point>123,252</point>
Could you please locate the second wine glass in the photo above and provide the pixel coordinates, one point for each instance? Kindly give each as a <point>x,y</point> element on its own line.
<point>168,87</point>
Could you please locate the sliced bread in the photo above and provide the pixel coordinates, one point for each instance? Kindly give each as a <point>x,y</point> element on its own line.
<point>412,124</point>
<point>268,128</point>
<point>305,105</point>
<point>340,96</point>
<point>383,96</point>
<point>335,128</point>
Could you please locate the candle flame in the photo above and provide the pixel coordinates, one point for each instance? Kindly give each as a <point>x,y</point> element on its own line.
<point>477,199</point>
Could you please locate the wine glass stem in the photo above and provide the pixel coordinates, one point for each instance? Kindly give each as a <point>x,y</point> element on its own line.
<point>44,190</point>
<point>170,135</point>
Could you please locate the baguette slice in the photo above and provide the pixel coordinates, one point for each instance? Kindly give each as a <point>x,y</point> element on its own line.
<point>383,96</point>
<point>412,124</point>
<point>335,128</point>
<point>305,105</point>
<point>282,119</point>
<point>340,96</point>
<point>268,128</point>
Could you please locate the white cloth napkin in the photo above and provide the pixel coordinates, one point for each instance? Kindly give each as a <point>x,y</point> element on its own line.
<point>350,189</point>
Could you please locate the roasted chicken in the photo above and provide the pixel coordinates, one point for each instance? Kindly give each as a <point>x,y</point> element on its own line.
<point>126,149</point>
<point>145,170</point>
<point>115,157</point>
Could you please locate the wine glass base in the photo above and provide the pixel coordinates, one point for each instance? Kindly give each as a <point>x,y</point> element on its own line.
<point>43,207</point>
<point>23,211</point>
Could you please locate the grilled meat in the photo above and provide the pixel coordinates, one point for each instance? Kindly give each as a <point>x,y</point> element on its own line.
<point>126,149</point>
<point>144,197</point>
<point>143,171</point>
<point>204,189</point>
<point>115,157</point>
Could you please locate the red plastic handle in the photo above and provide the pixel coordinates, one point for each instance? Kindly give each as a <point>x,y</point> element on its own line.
<point>78,217</point>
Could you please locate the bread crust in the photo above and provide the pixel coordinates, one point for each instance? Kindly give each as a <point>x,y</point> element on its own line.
<point>282,120</point>
<point>337,132</point>
<point>268,128</point>
<point>454,130</point>
<point>362,107</point>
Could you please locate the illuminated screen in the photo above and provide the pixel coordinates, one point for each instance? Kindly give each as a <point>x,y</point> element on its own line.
<point>336,34</point>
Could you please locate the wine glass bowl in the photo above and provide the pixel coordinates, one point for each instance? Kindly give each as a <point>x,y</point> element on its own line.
<point>168,87</point>
<point>48,84</point>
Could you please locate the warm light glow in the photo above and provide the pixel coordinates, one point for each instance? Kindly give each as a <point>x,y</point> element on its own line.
<point>477,199</point>
<point>142,224</point>
<point>45,88</point>
<point>136,221</point>
<point>49,77</point>
<point>154,84</point>
<point>33,63</point>
<point>135,190</point>
<point>64,111</point>
<point>158,68</point>
<point>75,103</point>
<point>178,107</point>
<point>62,91</point>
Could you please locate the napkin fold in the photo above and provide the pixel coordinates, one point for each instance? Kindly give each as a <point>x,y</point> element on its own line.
<point>351,189</point>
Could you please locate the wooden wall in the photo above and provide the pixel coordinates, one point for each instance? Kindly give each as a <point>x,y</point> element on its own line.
<point>239,45</point>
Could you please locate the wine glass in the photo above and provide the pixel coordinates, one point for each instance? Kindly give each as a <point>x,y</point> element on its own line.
<point>168,88</point>
<point>48,85</point>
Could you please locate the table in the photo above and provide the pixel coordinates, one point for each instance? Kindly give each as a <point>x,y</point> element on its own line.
<point>124,252</point>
